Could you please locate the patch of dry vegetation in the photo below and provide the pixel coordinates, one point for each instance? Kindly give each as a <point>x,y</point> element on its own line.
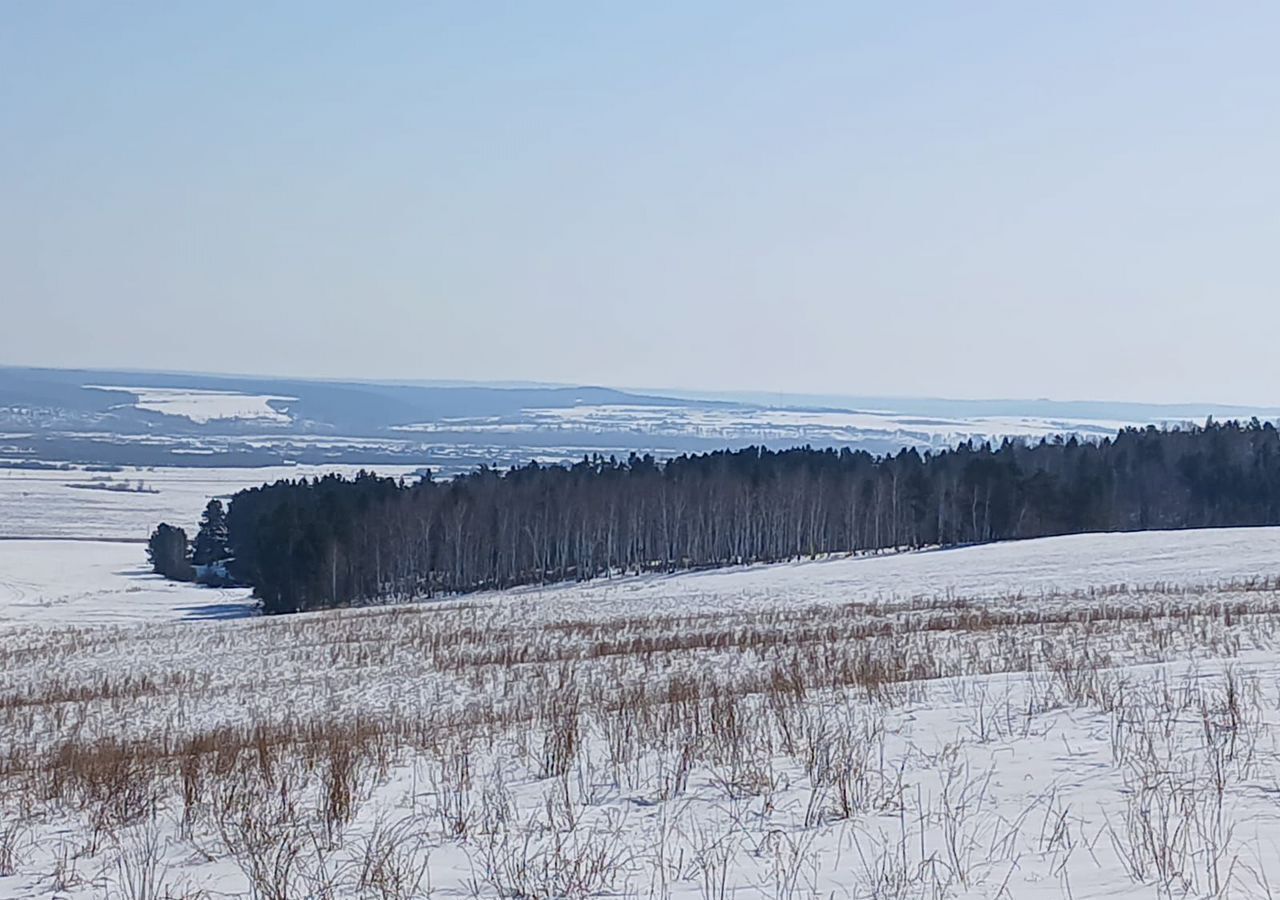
<point>748,742</point>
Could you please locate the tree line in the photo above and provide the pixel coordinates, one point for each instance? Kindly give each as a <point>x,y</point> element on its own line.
<point>309,544</point>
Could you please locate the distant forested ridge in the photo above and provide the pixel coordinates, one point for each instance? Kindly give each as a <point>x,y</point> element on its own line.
<point>334,541</point>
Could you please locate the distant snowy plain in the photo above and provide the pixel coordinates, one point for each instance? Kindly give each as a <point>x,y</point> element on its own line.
<point>63,503</point>
<point>775,426</point>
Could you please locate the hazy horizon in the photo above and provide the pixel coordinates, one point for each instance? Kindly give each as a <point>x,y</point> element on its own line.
<point>747,395</point>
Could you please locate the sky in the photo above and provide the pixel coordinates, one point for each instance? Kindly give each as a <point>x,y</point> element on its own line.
<point>1072,201</point>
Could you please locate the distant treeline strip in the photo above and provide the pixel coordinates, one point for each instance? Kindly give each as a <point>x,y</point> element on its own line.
<point>333,541</point>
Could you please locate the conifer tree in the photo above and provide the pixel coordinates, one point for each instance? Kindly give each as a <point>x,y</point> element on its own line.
<point>211,541</point>
<point>167,550</point>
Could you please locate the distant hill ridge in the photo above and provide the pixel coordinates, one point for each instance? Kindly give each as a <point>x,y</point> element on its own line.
<point>123,417</point>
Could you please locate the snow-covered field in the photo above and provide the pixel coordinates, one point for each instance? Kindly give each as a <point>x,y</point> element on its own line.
<point>204,406</point>
<point>1075,717</point>
<point>44,503</point>
<point>788,426</point>
<point>53,583</point>
<point>1036,570</point>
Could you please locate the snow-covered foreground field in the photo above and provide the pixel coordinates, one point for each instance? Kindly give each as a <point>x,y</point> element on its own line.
<point>1075,717</point>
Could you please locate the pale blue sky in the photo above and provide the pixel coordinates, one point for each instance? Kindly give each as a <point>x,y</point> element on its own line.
<point>1074,200</point>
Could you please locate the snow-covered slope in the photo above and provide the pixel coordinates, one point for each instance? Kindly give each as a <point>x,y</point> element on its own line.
<point>1088,716</point>
<point>52,582</point>
<point>1033,568</point>
<point>204,406</point>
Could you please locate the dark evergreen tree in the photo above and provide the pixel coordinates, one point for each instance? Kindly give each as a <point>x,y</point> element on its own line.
<point>168,551</point>
<point>211,540</point>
